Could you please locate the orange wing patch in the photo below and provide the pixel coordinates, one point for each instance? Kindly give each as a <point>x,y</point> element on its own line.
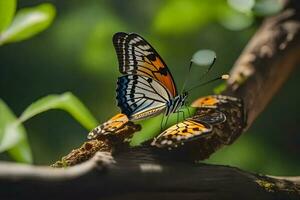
<point>180,133</point>
<point>137,56</point>
<point>208,101</point>
<point>158,71</point>
<point>113,124</point>
<point>214,101</point>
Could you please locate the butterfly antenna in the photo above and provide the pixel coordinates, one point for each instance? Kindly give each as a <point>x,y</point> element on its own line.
<point>223,77</point>
<point>187,77</point>
<point>202,76</point>
<point>209,68</point>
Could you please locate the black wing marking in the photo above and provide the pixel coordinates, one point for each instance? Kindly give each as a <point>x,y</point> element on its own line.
<point>182,132</point>
<point>137,56</point>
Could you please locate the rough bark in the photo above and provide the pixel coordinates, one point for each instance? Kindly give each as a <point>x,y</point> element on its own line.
<point>137,177</point>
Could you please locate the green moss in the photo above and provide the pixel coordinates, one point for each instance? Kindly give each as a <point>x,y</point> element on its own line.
<point>268,186</point>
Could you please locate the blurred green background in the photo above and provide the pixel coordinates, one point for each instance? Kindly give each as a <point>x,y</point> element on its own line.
<point>76,54</point>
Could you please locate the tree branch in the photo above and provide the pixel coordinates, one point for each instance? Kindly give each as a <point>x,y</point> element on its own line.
<point>145,178</point>
<point>259,72</point>
<point>267,61</point>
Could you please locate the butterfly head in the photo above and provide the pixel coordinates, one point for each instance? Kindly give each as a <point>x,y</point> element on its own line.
<point>183,98</point>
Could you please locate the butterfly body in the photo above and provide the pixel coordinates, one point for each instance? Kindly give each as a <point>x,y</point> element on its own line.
<point>176,103</point>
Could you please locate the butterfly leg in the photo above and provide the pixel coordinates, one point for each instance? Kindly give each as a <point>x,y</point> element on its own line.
<point>178,114</point>
<point>161,123</point>
<point>166,121</point>
<point>183,114</point>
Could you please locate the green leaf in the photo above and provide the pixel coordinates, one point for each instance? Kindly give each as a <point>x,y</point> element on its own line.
<point>13,136</point>
<point>179,17</point>
<point>67,102</point>
<point>151,127</point>
<point>28,22</point>
<point>7,12</point>
<point>21,152</point>
<point>10,132</point>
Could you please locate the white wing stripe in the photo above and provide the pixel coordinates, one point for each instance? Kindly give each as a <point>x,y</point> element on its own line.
<point>139,95</point>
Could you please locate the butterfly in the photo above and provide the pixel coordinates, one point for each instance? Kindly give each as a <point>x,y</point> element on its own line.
<point>215,118</point>
<point>147,87</point>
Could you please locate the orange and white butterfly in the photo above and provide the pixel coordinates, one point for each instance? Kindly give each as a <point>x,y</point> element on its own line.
<point>147,87</point>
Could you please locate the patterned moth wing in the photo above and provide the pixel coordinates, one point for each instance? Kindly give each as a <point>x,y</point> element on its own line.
<point>233,109</point>
<point>110,126</point>
<point>137,56</point>
<point>177,134</point>
<point>213,101</point>
<point>198,126</point>
<point>224,114</point>
<point>116,126</point>
<point>224,133</point>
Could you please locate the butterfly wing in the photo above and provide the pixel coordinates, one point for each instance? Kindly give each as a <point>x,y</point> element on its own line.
<point>207,101</point>
<point>113,124</point>
<point>140,97</point>
<point>182,132</point>
<point>209,115</point>
<point>137,56</point>
<point>214,101</point>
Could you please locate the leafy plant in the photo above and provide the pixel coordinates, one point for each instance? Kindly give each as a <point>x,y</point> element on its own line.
<point>191,15</point>
<point>67,102</point>
<point>26,23</point>
<point>13,136</point>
